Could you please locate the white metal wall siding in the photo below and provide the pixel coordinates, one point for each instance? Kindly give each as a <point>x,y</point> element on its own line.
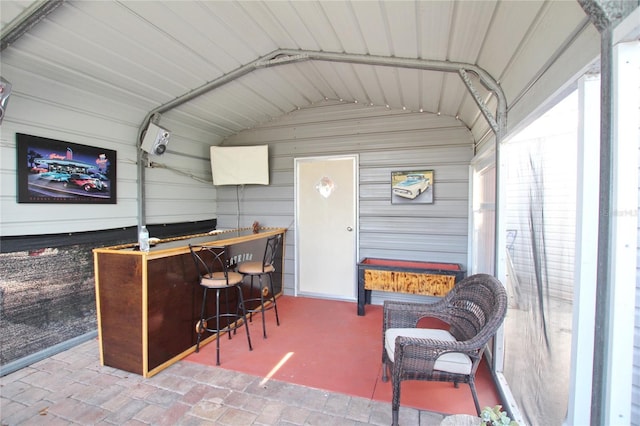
<point>385,141</point>
<point>635,391</point>
<point>41,107</point>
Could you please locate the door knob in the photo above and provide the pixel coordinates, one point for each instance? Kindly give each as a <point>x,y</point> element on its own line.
<point>349,228</point>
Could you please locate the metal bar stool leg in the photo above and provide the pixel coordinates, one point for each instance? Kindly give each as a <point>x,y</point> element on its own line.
<point>251,295</point>
<point>218,327</point>
<point>264,325</point>
<point>273,295</point>
<point>243,310</point>
<point>228,322</point>
<point>200,325</point>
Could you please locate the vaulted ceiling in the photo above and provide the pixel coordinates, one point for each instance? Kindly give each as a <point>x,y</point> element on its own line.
<point>252,62</point>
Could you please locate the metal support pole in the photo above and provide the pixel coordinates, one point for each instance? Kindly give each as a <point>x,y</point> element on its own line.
<point>603,275</point>
<point>605,15</point>
<point>142,214</point>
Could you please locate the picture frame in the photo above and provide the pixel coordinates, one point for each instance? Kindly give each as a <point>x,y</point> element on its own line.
<point>412,187</point>
<point>55,171</point>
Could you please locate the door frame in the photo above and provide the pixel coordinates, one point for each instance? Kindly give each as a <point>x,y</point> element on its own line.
<point>356,219</point>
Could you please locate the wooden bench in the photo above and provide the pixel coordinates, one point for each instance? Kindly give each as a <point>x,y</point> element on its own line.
<point>404,276</point>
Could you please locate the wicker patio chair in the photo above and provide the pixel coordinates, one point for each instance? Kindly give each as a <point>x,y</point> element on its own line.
<point>473,309</point>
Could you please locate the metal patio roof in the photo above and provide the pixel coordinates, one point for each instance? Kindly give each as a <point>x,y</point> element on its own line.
<point>265,59</point>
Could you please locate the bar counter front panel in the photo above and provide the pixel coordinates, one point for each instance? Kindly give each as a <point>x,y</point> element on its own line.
<point>148,303</point>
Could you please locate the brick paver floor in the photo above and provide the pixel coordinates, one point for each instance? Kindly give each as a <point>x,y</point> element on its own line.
<point>73,388</point>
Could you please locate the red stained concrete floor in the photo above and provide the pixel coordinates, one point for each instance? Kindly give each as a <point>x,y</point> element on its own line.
<point>324,344</point>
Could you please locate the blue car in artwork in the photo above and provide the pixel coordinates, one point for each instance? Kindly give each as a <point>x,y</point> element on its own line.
<point>54,176</point>
<point>98,176</point>
<point>412,186</point>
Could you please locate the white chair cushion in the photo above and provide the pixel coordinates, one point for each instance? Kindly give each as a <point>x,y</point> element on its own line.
<point>451,362</point>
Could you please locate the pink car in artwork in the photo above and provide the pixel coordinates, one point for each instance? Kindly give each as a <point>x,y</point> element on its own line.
<point>86,182</point>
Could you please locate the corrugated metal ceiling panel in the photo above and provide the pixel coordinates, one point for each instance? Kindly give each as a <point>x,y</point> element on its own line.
<point>470,21</point>
<point>554,26</point>
<point>344,24</point>
<point>12,10</point>
<point>435,20</point>
<point>402,30</point>
<point>374,29</point>
<point>513,19</point>
<point>149,53</point>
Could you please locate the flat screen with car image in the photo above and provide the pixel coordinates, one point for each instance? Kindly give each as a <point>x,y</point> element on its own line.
<point>55,171</point>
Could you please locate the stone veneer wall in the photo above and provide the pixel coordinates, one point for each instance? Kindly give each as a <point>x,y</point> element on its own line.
<point>47,286</point>
<point>46,297</point>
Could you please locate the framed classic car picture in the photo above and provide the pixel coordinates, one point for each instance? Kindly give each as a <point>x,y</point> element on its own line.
<point>54,171</point>
<point>412,187</point>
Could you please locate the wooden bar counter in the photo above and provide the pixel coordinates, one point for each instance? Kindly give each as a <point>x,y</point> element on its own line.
<point>148,303</point>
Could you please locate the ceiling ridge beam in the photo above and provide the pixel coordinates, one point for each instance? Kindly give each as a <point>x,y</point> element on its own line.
<point>287,56</point>
<point>498,125</point>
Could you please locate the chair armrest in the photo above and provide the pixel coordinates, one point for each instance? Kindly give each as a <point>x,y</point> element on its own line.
<point>407,314</point>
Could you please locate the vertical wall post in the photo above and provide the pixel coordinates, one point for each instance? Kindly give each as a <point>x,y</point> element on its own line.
<point>605,15</point>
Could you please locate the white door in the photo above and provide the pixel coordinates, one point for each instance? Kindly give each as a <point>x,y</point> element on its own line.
<point>326,226</point>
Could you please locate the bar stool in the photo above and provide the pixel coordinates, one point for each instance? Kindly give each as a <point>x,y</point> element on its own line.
<point>260,269</point>
<point>214,274</point>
